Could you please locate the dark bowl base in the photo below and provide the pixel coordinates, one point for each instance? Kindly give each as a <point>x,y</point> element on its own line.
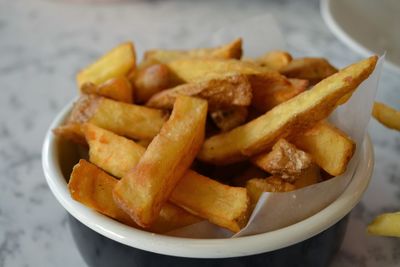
<point>99,251</point>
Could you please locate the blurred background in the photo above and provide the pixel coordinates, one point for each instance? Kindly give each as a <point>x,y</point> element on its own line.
<point>43,43</point>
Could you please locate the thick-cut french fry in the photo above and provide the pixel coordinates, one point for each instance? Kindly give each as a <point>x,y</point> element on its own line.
<point>284,160</point>
<point>387,224</point>
<point>228,119</point>
<point>329,147</point>
<point>256,186</point>
<point>118,62</point>
<point>270,89</point>
<point>93,187</point>
<point>221,204</point>
<point>312,69</point>
<point>143,190</point>
<point>130,120</point>
<point>188,70</point>
<point>231,50</point>
<point>214,211</point>
<point>119,89</point>
<point>286,119</point>
<point>275,60</point>
<point>71,132</point>
<point>221,92</point>
<point>150,80</point>
<point>107,150</point>
<point>386,115</point>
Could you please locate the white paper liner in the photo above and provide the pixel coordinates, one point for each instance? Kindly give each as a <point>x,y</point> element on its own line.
<point>277,210</point>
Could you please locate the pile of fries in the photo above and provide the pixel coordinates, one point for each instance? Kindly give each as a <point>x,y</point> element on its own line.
<point>195,135</point>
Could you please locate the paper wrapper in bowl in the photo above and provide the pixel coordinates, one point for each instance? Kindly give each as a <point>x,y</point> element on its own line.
<point>278,210</point>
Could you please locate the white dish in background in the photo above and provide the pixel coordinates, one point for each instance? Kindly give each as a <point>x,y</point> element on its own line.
<point>366,26</point>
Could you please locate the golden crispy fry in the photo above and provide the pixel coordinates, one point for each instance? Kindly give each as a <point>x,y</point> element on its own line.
<point>150,80</point>
<point>143,191</point>
<point>107,150</point>
<point>299,84</point>
<point>286,119</point>
<point>231,50</point>
<point>123,148</point>
<point>125,119</point>
<point>285,161</point>
<point>221,92</point>
<point>308,177</point>
<point>270,89</point>
<point>93,187</point>
<point>387,224</point>
<point>329,147</point>
<point>119,89</point>
<point>118,62</point>
<point>275,60</point>
<point>386,115</point>
<point>188,70</point>
<point>228,119</point>
<point>256,186</point>
<point>312,69</point>
<point>71,132</point>
<point>221,204</point>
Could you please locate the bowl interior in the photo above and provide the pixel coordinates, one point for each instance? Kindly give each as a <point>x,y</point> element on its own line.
<point>366,26</point>
<point>58,157</point>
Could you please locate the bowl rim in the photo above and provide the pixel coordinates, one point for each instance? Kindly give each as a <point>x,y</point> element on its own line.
<point>203,248</point>
<point>345,37</point>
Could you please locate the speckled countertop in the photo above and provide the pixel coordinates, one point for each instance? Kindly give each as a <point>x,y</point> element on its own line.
<point>44,42</point>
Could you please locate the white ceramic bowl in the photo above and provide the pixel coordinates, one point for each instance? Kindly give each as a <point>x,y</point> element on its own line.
<point>366,26</point>
<point>58,159</point>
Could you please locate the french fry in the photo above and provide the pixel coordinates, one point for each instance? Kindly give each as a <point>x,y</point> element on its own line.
<point>227,119</point>
<point>329,147</point>
<point>118,62</point>
<point>93,187</point>
<point>275,60</point>
<point>215,211</point>
<point>312,69</point>
<point>119,89</point>
<point>143,190</point>
<point>286,119</point>
<point>231,50</point>
<point>256,186</point>
<point>71,132</point>
<point>221,92</point>
<point>188,70</point>
<point>106,146</point>
<point>284,160</point>
<point>221,204</point>
<point>130,120</point>
<point>270,89</point>
<point>386,115</point>
<point>150,80</point>
<point>387,224</point>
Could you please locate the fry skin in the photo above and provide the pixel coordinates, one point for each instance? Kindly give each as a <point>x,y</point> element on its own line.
<point>286,119</point>
<point>117,62</point>
<point>227,119</point>
<point>143,190</point>
<point>221,92</point>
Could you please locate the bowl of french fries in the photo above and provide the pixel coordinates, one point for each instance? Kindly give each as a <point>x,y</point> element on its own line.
<point>177,157</point>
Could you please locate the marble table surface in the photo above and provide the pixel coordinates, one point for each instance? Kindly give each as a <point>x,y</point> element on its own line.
<point>44,42</point>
